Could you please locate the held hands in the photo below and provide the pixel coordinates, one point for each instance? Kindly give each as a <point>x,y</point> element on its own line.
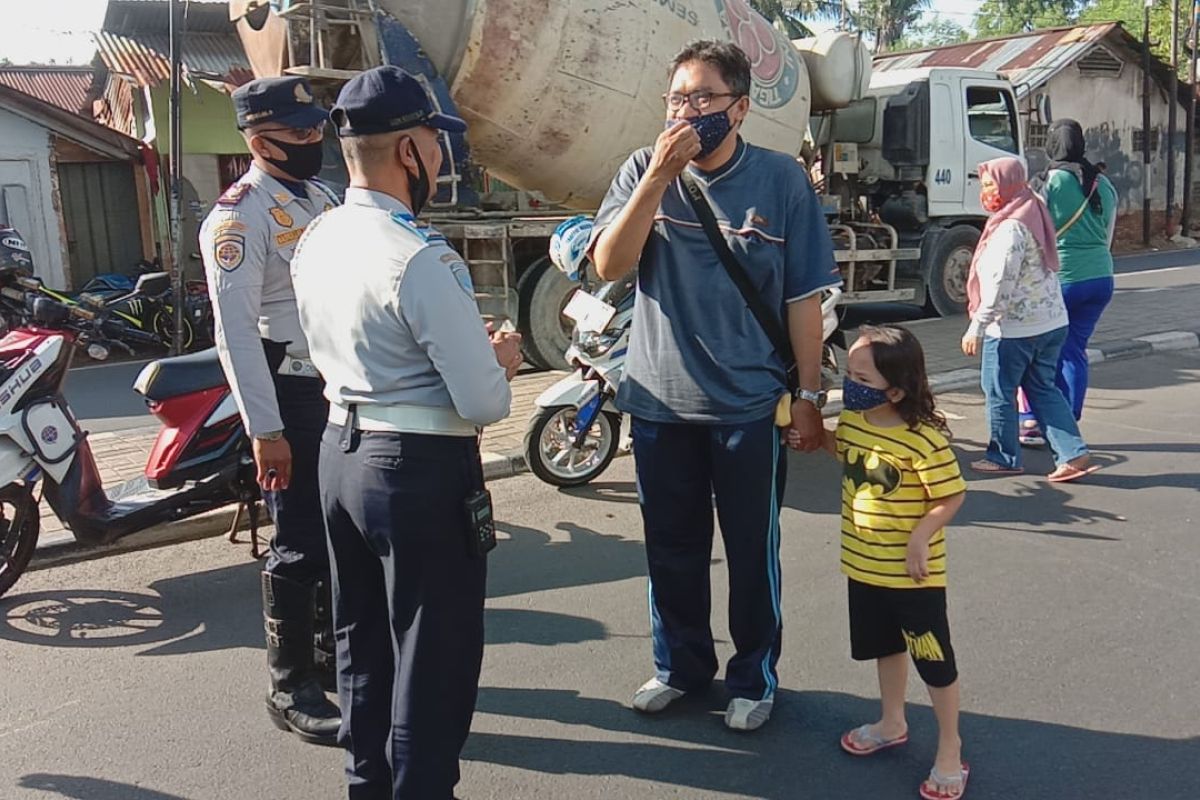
<point>807,431</point>
<point>673,149</point>
<point>916,558</point>
<point>274,462</point>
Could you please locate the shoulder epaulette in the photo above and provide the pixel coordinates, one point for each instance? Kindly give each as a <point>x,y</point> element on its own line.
<point>234,194</point>
<point>409,224</point>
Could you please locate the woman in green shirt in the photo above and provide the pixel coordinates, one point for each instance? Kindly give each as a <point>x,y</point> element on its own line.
<point>1083,206</point>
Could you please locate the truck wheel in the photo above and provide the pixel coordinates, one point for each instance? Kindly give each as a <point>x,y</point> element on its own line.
<point>946,275</point>
<point>543,293</point>
<point>20,525</point>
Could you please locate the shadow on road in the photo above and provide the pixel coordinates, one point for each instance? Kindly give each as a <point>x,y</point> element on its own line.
<point>82,788</point>
<point>797,755</point>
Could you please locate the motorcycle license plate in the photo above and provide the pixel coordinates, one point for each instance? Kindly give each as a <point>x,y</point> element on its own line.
<point>591,314</point>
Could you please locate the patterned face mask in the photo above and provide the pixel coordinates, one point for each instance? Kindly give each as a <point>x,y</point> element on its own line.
<point>860,397</point>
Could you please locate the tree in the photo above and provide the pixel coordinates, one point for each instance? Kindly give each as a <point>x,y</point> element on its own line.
<point>1002,17</point>
<point>938,32</point>
<point>789,15</point>
<point>1129,13</point>
<point>888,20</point>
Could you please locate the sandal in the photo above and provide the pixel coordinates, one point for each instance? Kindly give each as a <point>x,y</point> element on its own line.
<point>1067,473</point>
<point>929,789</point>
<point>992,468</point>
<point>853,741</point>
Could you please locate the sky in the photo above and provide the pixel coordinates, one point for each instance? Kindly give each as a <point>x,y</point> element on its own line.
<point>40,30</point>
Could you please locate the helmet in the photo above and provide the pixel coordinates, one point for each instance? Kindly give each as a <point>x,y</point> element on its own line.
<point>14,253</point>
<point>568,245</point>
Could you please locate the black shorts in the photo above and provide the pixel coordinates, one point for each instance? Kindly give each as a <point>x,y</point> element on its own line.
<point>884,622</point>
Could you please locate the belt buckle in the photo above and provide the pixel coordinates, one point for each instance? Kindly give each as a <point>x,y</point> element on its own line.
<point>299,367</point>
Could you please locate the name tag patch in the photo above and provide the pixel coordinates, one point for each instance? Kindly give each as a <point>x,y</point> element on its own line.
<point>288,237</point>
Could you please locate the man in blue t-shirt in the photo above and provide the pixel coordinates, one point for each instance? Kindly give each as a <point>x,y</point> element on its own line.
<point>702,379</point>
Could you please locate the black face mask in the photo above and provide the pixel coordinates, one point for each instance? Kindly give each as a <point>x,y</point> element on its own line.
<point>303,160</point>
<point>418,185</point>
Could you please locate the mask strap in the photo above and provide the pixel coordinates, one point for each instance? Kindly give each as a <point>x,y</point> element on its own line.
<point>420,191</point>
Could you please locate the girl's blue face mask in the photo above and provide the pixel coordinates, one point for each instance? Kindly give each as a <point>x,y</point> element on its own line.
<point>860,397</point>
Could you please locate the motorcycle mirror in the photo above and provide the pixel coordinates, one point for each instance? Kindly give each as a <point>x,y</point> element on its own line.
<point>153,283</point>
<point>48,312</point>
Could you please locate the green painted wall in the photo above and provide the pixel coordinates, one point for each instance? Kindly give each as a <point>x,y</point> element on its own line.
<point>209,124</point>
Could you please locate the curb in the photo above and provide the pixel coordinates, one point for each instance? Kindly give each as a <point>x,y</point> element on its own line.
<point>497,466</point>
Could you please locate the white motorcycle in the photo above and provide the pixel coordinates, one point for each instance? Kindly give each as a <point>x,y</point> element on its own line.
<point>575,430</point>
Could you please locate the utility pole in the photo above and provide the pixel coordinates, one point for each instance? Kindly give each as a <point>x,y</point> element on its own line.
<point>1185,222</point>
<point>180,294</point>
<point>1172,117</point>
<point>1146,123</point>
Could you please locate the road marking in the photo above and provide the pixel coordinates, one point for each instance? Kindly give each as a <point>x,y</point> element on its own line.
<point>1159,271</point>
<point>112,364</point>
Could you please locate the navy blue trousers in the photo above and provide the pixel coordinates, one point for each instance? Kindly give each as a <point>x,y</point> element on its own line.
<point>298,549</point>
<point>680,468</point>
<point>407,607</point>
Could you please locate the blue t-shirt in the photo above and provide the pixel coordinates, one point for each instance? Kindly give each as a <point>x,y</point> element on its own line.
<point>696,352</point>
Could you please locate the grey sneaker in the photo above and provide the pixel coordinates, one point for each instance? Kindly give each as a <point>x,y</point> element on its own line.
<point>654,696</point>
<point>744,714</point>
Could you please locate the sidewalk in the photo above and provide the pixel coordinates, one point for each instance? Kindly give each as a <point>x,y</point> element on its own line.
<point>1141,308</point>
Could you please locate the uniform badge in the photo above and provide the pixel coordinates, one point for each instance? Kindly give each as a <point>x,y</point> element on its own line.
<point>229,250</point>
<point>327,206</point>
<point>234,194</point>
<point>463,275</point>
<point>288,237</point>
<point>282,217</point>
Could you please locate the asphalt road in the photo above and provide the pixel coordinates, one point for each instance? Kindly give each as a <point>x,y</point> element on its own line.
<point>1074,610</point>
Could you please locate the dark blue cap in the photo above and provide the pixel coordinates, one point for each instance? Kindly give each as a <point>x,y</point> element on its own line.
<point>387,99</point>
<point>282,101</point>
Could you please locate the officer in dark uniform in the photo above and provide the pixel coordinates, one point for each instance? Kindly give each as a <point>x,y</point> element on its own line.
<point>247,242</point>
<point>411,373</point>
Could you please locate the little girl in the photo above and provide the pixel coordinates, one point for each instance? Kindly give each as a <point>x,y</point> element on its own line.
<point>900,487</point>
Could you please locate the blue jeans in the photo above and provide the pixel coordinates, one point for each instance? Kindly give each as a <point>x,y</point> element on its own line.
<point>680,468</point>
<point>1031,363</point>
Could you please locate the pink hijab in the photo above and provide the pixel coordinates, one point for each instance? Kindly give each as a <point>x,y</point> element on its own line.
<point>1020,204</point>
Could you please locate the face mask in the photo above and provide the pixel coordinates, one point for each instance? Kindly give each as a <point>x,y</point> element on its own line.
<point>858,397</point>
<point>419,185</point>
<point>712,128</point>
<point>303,160</point>
<point>990,200</point>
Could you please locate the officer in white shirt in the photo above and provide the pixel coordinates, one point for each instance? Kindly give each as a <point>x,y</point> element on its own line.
<point>411,374</point>
<point>247,243</point>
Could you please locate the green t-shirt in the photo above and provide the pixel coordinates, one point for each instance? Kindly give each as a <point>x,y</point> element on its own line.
<point>1084,248</point>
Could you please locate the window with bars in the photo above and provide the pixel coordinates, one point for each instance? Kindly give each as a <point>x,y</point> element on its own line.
<point>1139,138</point>
<point>1037,135</point>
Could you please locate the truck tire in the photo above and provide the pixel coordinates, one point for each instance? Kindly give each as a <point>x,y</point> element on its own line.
<point>947,269</point>
<point>543,292</point>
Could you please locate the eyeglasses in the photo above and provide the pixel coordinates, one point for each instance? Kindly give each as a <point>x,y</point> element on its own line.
<point>302,134</point>
<point>699,100</point>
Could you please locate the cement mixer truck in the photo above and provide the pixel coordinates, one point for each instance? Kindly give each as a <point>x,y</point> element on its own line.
<point>557,93</point>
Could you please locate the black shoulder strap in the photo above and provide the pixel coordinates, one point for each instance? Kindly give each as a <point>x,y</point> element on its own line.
<point>767,319</point>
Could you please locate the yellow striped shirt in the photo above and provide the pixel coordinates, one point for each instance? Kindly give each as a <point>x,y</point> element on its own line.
<point>890,478</point>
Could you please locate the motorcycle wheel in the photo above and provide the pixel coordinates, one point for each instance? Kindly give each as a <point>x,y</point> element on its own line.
<point>20,525</point>
<point>550,455</point>
<point>164,328</point>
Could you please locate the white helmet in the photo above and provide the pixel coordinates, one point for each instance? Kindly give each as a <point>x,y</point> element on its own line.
<point>568,245</point>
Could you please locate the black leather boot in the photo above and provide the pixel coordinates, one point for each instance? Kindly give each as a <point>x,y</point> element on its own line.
<point>324,649</point>
<point>296,702</point>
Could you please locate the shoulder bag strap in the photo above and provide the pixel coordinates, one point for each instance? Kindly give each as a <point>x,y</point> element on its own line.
<point>767,319</point>
<point>1067,225</point>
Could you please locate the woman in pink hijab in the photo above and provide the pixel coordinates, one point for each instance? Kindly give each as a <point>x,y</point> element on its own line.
<point>1019,323</point>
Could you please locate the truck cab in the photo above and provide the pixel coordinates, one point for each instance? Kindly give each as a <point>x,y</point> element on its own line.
<point>914,143</point>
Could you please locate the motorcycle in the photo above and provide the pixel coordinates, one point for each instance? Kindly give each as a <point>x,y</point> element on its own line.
<point>200,461</point>
<point>575,430</point>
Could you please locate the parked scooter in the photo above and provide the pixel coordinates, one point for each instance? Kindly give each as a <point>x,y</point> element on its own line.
<point>201,459</point>
<point>575,430</point>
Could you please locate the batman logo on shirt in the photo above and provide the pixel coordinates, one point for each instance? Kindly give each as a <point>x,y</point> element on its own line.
<point>870,474</point>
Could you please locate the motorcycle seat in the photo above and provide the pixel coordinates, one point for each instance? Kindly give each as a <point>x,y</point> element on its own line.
<point>171,377</point>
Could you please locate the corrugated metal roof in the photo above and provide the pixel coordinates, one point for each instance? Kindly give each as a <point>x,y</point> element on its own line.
<point>1027,59</point>
<point>65,87</point>
<point>145,56</point>
<point>134,16</point>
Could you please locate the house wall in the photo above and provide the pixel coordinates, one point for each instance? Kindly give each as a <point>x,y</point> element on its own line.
<point>1110,110</point>
<point>28,193</point>
<point>209,123</point>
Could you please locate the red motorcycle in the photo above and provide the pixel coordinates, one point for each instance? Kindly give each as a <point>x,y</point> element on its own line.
<point>201,459</point>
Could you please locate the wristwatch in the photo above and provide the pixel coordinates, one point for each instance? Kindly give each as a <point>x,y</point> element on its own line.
<point>818,398</point>
<point>269,436</point>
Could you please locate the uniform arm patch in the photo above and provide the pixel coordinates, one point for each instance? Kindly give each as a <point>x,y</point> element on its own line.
<point>229,250</point>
